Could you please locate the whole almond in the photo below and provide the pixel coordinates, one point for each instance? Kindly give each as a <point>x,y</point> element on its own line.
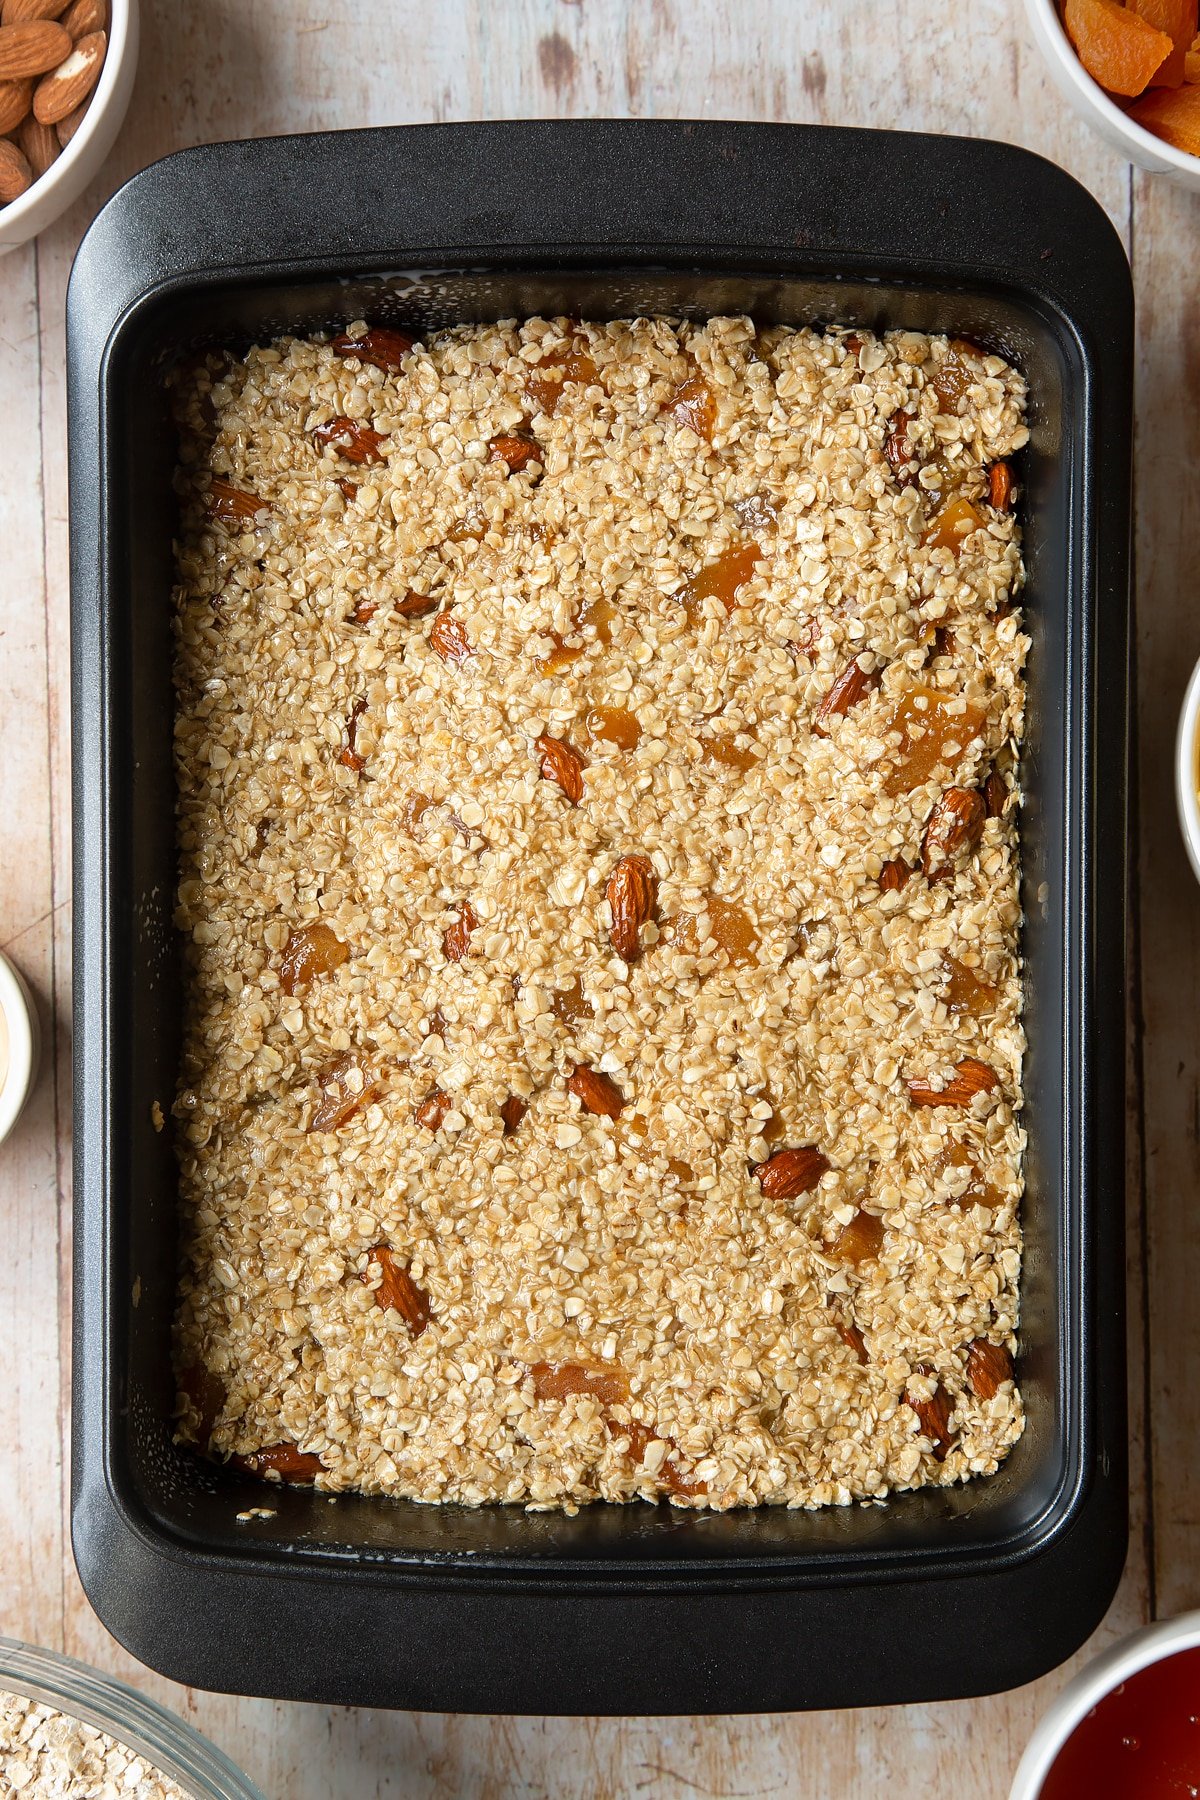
<point>956,823</point>
<point>16,97</point>
<point>632,895</point>
<point>40,144</point>
<point>851,686</point>
<point>988,1367</point>
<point>20,12</point>
<point>69,84</point>
<point>397,1291</point>
<point>970,1077</point>
<point>32,48</point>
<point>563,764</point>
<point>596,1092</point>
<point>66,128</point>
<point>15,172</point>
<point>934,1415</point>
<point>84,16</point>
<point>791,1172</point>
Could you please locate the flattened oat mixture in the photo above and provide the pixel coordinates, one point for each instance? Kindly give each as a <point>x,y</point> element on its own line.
<point>598,826</point>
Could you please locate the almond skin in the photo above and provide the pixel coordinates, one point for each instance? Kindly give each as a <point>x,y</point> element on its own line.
<point>380,345</point>
<point>68,86</point>
<point>32,48</point>
<point>851,686</point>
<point>995,795</point>
<point>896,445</point>
<point>16,97</point>
<point>934,1415</point>
<point>40,144</point>
<point>512,1112</point>
<point>970,1077</point>
<point>20,12</point>
<point>562,764</point>
<point>397,1290</point>
<point>852,1336</point>
<point>596,1092</point>
<point>433,1110</point>
<point>956,823</point>
<point>893,875</point>
<point>1000,485</point>
<point>988,1367</point>
<point>66,128</point>
<point>82,17</point>
<point>357,442</point>
<point>284,1460</point>
<point>632,895</point>
<point>230,503</point>
<point>415,606</point>
<point>789,1173</point>
<point>15,172</point>
<point>517,451</point>
<point>449,639</point>
<point>456,939</point>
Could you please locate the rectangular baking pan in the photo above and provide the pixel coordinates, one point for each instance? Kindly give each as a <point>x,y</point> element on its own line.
<point>941,1593</point>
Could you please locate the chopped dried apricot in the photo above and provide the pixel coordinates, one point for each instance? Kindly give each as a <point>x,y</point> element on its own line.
<point>516,449</point>
<point>1117,48</point>
<point>571,1003</point>
<point>694,405</point>
<point>964,991</point>
<point>956,372</point>
<point>860,1239</point>
<point>935,728</point>
<point>1172,114</point>
<point>614,725</point>
<point>722,579</point>
<point>545,384</point>
<point>456,939</point>
<point>729,925</point>
<point>727,754</point>
<point>312,950</point>
<point>345,1090</point>
<point>953,525</point>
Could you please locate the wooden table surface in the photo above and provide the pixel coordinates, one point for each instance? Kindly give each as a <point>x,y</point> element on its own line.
<point>224,70</point>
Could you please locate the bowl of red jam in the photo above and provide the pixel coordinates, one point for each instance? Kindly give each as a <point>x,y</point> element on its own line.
<point>1127,1727</point>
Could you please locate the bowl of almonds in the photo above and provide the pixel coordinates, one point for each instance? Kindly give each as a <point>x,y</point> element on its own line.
<point>66,72</point>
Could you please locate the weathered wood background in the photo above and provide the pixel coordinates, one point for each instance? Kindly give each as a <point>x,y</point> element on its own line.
<point>226,69</point>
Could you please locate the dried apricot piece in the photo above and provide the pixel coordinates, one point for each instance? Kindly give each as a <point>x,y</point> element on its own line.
<point>286,1460</point>
<point>545,384</point>
<point>1117,48</point>
<point>722,579</point>
<point>1172,114</point>
<point>694,405</point>
<point>379,344</point>
<point>345,1090</point>
<point>953,525</point>
<point>312,950</point>
<point>614,725</point>
<point>860,1240</point>
<point>1178,19</point>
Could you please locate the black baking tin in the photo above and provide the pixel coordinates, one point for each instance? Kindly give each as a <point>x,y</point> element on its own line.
<point>639,1608</point>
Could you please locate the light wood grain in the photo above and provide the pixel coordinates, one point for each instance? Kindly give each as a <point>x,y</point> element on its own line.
<point>228,70</point>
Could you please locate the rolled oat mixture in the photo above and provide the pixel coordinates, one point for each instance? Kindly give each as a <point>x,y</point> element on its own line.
<point>596,749</point>
<point>47,1754</point>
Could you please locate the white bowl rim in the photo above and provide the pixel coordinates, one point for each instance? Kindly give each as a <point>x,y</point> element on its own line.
<point>1094,95</point>
<point>20,1022</point>
<point>1153,1643</point>
<point>1187,799</point>
<point>119,19</point>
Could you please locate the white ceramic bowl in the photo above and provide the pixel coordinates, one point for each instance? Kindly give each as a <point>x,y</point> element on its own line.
<point>1093,104</point>
<point>1186,769</point>
<point>19,1045</point>
<point>67,177</point>
<point>1090,1686</point>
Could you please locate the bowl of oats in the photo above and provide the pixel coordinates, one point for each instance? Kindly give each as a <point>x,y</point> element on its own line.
<point>70,1731</point>
<point>596,1107</point>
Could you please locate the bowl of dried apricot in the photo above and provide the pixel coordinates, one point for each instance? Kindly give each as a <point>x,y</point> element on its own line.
<point>1133,71</point>
<point>66,74</point>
